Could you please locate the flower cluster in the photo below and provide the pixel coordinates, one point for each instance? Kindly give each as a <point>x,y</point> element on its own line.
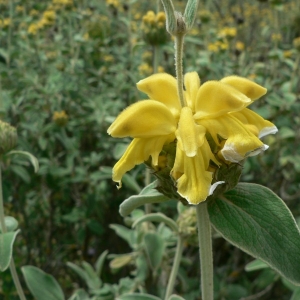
<point>154,28</point>
<point>48,19</point>
<point>213,129</point>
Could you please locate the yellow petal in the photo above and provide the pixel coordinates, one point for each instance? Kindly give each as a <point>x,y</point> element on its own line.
<point>238,147</point>
<point>162,87</point>
<point>216,98</point>
<point>190,136</point>
<point>249,88</point>
<point>143,119</point>
<point>193,179</point>
<point>249,117</point>
<point>192,85</point>
<point>240,141</point>
<point>138,151</point>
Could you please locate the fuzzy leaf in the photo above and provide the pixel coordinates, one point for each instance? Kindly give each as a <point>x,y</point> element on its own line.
<point>6,247</point>
<point>256,220</point>
<point>155,248</point>
<point>42,285</point>
<point>136,296</point>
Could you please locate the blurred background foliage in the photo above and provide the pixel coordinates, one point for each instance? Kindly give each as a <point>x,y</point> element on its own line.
<point>68,67</point>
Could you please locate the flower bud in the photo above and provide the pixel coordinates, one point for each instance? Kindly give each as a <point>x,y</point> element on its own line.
<point>8,137</point>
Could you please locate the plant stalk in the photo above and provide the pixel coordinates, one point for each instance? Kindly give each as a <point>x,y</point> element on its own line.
<point>179,68</point>
<point>205,251</point>
<point>12,267</point>
<point>175,267</point>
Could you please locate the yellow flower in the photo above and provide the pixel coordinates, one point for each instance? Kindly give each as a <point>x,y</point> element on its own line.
<point>276,37</point>
<point>20,8</point>
<point>60,118</point>
<point>33,29</point>
<point>228,32</point>
<point>240,46</point>
<point>296,43</point>
<point>49,16</point>
<point>34,13</point>
<point>287,53</point>
<point>217,108</point>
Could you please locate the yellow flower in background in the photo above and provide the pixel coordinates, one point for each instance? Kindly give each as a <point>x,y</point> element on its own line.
<point>296,43</point>
<point>240,46</point>
<point>217,108</point>
<point>60,118</point>
<point>20,8</point>
<point>228,32</point>
<point>153,28</point>
<point>276,37</point>
<point>287,53</point>
<point>49,17</point>
<point>5,22</point>
<point>33,13</point>
<point>33,29</point>
<point>145,69</point>
<point>218,46</point>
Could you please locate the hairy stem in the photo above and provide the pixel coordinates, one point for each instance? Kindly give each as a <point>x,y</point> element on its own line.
<point>179,68</point>
<point>205,251</point>
<point>175,267</point>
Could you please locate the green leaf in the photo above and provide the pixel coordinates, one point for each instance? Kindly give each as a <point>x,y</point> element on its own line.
<point>100,261</point>
<point>94,281</point>
<point>147,195</point>
<point>175,297</point>
<point>6,247</point>
<point>136,296</point>
<point>155,248</point>
<point>131,183</point>
<point>123,232</point>
<point>157,217</point>
<point>121,261</point>
<point>80,272</point>
<point>254,219</point>
<point>256,265</point>
<point>33,159</point>
<point>296,294</point>
<point>80,295</point>
<point>42,285</point>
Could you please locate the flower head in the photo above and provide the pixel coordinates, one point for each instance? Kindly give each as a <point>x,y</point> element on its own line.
<point>216,109</point>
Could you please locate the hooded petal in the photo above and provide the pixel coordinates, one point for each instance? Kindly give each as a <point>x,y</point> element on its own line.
<point>146,118</point>
<point>192,85</point>
<point>247,87</point>
<point>238,147</point>
<point>193,179</point>
<point>250,118</point>
<point>162,87</point>
<point>139,151</point>
<point>190,136</point>
<point>216,98</point>
<point>240,141</point>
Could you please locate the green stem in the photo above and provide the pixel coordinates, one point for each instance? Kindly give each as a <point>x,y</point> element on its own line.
<point>179,68</point>
<point>155,58</point>
<point>4,230</point>
<point>148,206</point>
<point>205,251</point>
<point>175,267</point>
<point>11,12</point>
<point>157,6</point>
<point>295,68</point>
